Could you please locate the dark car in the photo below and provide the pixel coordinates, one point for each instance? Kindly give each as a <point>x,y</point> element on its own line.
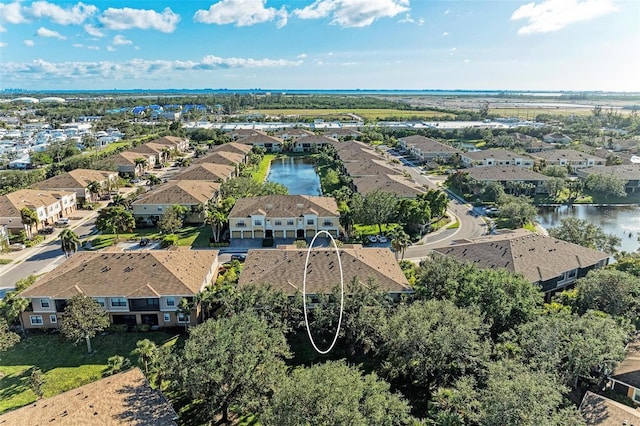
<point>144,242</point>
<point>239,257</point>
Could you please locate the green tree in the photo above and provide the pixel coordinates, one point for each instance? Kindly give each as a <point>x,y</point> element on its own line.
<point>378,207</point>
<point>29,219</point>
<point>581,232</point>
<point>36,381</point>
<point>515,395</point>
<point>217,215</point>
<point>615,292</point>
<point>437,201</point>
<point>153,180</point>
<point>572,346</point>
<point>236,361</point>
<point>94,189</point>
<point>399,242</point>
<point>504,299</point>
<point>7,337</point>
<point>184,309</point>
<point>432,343</point>
<point>115,220</point>
<point>12,307</point>
<point>141,164</point>
<point>518,211</point>
<point>116,364</point>
<point>171,220</point>
<point>334,393</point>
<point>492,192</point>
<point>628,262</point>
<point>606,185</point>
<point>83,318</point>
<point>69,242</point>
<point>555,186</point>
<point>147,351</point>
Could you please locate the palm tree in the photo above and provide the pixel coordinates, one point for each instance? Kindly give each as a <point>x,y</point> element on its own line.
<point>119,200</point>
<point>146,351</point>
<point>29,218</point>
<point>216,216</point>
<point>94,189</point>
<point>141,163</point>
<point>184,309</point>
<point>153,180</point>
<point>13,306</point>
<point>400,242</point>
<point>69,241</point>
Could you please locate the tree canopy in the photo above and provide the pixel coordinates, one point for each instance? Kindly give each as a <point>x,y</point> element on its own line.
<point>581,232</point>
<point>83,318</point>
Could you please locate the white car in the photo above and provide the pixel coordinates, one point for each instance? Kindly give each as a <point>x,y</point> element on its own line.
<point>382,239</point>
<point>372,239</point>
<point>63,221</point>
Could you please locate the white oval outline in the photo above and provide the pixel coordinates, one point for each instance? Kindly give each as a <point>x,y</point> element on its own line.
<point>304,293</point>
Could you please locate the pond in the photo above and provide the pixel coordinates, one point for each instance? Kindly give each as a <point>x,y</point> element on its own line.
<point>298,174</point>
<point>622,221</point>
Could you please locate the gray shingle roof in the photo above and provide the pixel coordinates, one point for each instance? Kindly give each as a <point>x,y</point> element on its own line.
<point>628,371</point>
<point>78,178</point>
<point>184,192</point>
<point>283,269</point>
<point>206,171</point>
<point>537,257</point>
<point>150,273</point>
<point>122,399</point>
<point>597,410</point>
<point>285,206</point>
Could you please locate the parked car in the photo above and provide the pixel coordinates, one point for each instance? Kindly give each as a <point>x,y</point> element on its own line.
<point>63,221</point>
<point>17,247</point>
<point>136,180</point>
<point>382,239</point>
<point>372,238</point>
<point>46,230</point>
<point>144,242</point>
<point>492,211</point>
<point>239,257</point>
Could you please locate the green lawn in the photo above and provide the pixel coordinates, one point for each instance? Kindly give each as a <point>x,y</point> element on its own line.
<point>193,236</point>
<point>5,261</point>
<point>373,229</point>
<point>64,365</point>
<point>263,168</point>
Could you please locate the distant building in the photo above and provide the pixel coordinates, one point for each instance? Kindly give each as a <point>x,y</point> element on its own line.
<point>556,138</point>
<point>629,173</point>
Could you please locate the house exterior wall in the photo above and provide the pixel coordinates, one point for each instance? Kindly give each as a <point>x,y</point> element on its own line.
<point>258,226</point>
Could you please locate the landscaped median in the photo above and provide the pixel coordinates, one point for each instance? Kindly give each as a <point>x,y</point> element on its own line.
<point>64,365</point>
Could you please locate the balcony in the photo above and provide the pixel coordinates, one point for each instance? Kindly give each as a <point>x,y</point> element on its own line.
<point>138,305</point>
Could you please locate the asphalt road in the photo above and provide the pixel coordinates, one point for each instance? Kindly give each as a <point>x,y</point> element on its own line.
<point>45,257</point>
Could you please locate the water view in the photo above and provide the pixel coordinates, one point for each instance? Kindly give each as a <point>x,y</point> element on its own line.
<point>623,222</point>
<point>297,174</point>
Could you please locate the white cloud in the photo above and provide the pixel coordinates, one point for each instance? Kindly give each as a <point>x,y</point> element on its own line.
<point>111,48</point>
<point>93,30</point>
<point>3,44</point>
<point>12,13</point>
<point>407,19</point>
<point>126,18</point>
<point>133,69</point>
<point>242,13</point>
<point>74,15</point>
<point>78,45</point>
<point>120,40</point>
<point>28,43</point>
<point>93,47</point>
<point>302,56</point>
<point>466,61</point>
<point>444,34</point>
<point>553,15</point>
<point>45,32</point>
<point>2,29</point>
<point>446,12</point>
<point>421,21</point>
<point>353,13</point>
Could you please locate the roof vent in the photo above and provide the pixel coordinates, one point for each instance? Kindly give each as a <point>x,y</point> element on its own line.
<point>269,206</point>
<point>299,205</point>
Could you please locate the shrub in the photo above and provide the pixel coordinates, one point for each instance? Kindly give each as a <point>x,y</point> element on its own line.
<point>37,239</point>
<point>169,240</point>
<point>142,328</point>
<point>118,328</point>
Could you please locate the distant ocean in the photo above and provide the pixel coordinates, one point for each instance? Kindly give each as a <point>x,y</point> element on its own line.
<point>390,92</point>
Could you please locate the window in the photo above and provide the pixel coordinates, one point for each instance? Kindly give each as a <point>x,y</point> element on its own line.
<point>257,222</point>
<point>53,319</point>
<point>636,395</point>
<point>118,301</point>
<point>327,223</point>
<point>44,303</point>
<point>240,224</point>
<point>572,274</point>
<point>36,320</point>
<point>278,223</point>
<point>171,301</point>
<point>167,317</point>
<point>184,318</point>
<point>290,222</point>
<point>100,301</point>
<point>310,221</point>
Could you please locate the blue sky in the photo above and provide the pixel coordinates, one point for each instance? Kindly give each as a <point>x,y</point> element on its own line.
<point>321,44</point>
